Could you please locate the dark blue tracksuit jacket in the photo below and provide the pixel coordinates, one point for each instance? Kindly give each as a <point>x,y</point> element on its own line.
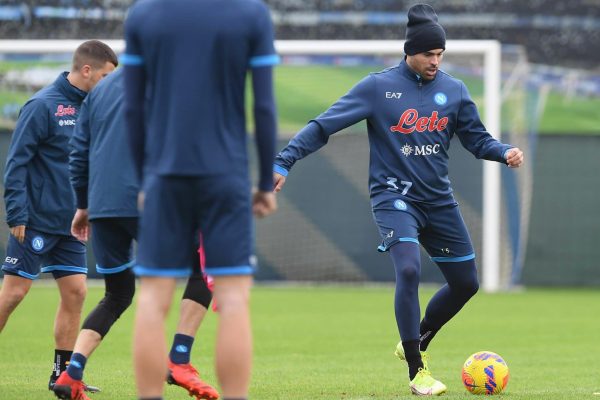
<point>410,124</point>
<point>37,192</point>
<point>100,164</point>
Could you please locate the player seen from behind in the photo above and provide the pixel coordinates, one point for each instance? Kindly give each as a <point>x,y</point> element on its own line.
<point>190,136</point>
<point>106,188</point>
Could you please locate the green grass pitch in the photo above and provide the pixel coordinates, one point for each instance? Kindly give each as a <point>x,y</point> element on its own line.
<point>330,342</point>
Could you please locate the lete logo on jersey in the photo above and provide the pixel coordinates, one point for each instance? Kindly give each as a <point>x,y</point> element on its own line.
<point>61,110</point>
<point>410,121</point>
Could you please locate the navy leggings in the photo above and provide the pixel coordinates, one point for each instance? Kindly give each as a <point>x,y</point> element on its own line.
<point>462,284</point>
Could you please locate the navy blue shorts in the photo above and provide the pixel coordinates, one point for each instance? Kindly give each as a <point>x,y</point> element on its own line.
<point>441,230</point>
<point>112,241</point>
<point>44,252</point>
<point>177,209</point>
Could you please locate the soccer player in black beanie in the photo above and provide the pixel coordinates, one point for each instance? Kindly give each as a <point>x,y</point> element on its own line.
<point>413,111</point>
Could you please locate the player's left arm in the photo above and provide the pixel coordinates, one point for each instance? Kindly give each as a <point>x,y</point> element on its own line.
<point>514,157</point>
<point>477,140</point>
<point>263,59</point>
<point>135,89</point>
<point>265,120</point>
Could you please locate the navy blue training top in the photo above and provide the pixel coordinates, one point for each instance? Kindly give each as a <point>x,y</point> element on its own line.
<point>37,192</point>
<point>410,124</point>
<point>100,162</point>
<point>189,60</point>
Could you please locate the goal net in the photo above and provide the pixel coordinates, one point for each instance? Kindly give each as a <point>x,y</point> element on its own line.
<point>323,231</point>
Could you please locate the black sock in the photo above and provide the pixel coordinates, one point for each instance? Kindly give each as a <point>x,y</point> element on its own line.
<point>413,357</point>
<point>427,332</point>
<point>61,359</point>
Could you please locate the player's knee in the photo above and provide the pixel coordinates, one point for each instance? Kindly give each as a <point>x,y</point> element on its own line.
<point>467,288</point>
<point>12,297</point>
<point>122,294</point>
<point>472,288</point>
<point>153,305</point>
<point>407,262</point>
<point>74,295</point>
<point>197,290</point>
<point>109,310</point>
<point>408,272</point>
<point>117,303</point>
<point>232,302</point>
<point>120,289</point>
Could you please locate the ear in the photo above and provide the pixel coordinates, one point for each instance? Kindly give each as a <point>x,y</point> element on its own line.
<point>86,71</point>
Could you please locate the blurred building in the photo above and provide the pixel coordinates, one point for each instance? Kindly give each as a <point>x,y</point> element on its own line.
<point>553,32</point>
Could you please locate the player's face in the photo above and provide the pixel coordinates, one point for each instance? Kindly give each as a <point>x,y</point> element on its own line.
<point>426,64</point>
<point>99,73</point>
<point>93,75</point>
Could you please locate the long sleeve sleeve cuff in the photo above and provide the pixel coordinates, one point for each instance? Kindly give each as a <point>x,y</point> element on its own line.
<point>280,170</point>
<point>81,196</point>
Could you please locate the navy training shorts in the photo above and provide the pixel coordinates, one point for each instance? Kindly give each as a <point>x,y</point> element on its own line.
<point>177,209</point>
<point>440,229</point>
<point>112,241</point>
<point>44,252</point>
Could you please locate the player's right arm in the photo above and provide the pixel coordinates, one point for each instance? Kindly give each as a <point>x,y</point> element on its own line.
<point>135,89</point>
<point>351,108</point>
<point>30,129</point>
<point>79,166</point>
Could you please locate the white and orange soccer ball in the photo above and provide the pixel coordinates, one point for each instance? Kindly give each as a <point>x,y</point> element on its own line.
<point>485,373</point>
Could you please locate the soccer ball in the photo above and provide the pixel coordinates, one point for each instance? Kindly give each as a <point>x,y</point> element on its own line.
<point>485,373</point>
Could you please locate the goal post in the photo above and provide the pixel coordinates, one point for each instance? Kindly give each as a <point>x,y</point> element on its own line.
<point>489,50</point>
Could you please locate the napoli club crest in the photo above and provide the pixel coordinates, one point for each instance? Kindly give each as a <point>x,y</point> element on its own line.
<point>37,243</point>
<point>440,98</point>
<point>399,205</point>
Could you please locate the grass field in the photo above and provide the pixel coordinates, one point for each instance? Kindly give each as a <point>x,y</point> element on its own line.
<point>337,343</point>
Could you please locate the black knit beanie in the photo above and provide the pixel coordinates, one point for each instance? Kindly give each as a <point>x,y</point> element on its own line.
<point>423,32</point>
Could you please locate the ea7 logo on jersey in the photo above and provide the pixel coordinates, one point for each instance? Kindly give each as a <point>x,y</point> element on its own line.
<point>410,121</point>
<point>393,95</point>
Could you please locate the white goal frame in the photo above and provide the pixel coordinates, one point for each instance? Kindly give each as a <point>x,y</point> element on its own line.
<point>489,49</point>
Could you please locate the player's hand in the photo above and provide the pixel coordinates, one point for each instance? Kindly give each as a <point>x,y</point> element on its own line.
<point>80,227</point>
<point>18,232</point>
<point>263,203</point>
<point>140,201</point>
<point>514,157</point>
<point>279,181</point>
